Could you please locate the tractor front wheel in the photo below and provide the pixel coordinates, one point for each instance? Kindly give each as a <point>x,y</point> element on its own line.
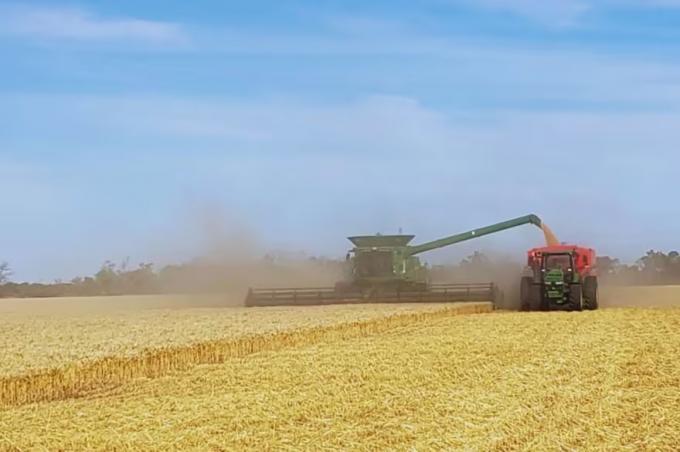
<point>590,293</point>
<point>575,297</point>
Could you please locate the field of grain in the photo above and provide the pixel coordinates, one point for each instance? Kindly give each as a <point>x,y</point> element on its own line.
<point>605,380</point>
<point>158,373</point>
<point>39,334</point>
<point>52,354</point>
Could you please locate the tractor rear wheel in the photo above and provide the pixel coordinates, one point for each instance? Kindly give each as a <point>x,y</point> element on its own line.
<point>575,297</point>
<point>530,295</point>
<point>590,293</point>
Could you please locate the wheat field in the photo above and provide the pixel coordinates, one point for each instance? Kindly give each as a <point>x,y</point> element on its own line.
<point>604,380</point>
<point>41,334</point>
<point>51,357</point>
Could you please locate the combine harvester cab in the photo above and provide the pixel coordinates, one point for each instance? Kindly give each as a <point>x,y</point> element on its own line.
<point>560,278</point>
<point>386,269</point>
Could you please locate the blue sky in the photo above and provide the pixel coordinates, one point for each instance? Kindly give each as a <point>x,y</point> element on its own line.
<point>161,129</point>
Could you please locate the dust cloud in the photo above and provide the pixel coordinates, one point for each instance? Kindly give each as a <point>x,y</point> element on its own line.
<point>639,296</point>
<point>231,257</point>
<point>225,256</point>
<point>503,270</point>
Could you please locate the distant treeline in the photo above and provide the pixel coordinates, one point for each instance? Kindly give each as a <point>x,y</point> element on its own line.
<point>192,277</point>
<point>109,280</point>
<point>654,268</point>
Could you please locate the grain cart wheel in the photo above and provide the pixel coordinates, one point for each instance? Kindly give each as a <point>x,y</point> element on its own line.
<point>530,295</point>
<point>590,293</point>
<point>575,297</point>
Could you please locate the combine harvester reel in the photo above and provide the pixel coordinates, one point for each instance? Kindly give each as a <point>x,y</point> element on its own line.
<point>386,269</point>
<point>435,293</point>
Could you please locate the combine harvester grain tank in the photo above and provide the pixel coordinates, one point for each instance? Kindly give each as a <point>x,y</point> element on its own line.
<point>386,269</point>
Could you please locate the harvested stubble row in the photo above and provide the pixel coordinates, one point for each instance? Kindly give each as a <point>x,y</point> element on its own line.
<point>605,380</point>
<point>79,378</point>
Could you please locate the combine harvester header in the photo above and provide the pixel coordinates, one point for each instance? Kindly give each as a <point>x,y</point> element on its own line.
<point>386,269</point>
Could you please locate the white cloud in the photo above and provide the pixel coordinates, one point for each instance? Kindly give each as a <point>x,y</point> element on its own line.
<point>76,24</point>
<point>318,171</point>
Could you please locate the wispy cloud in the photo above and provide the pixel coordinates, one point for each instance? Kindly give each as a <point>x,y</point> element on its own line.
<point>81,25</point>
<point>554,12</point>
<point>563,13</point>
<point>264,154</point>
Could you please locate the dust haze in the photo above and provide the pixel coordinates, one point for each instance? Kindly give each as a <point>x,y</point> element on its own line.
<point>503,270</point>
<point>231,257</point>
<point>617,296</point>
<point>223,255</point>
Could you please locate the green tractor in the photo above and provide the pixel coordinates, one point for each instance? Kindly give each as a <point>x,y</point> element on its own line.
<point>386,268</point>
<point>560,278</point>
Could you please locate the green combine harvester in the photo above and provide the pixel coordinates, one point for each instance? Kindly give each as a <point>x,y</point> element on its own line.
<point>386,269</point>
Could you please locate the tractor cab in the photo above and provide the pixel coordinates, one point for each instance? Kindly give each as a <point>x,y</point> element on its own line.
<point>557,268</point>
<point>563,262</point>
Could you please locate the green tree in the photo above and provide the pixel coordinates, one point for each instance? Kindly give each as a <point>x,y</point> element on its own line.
<point>141,280</point>
<point>106,278</point>
<point>657,266</point>
<point>5,272</point>
<point>607,266</point>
